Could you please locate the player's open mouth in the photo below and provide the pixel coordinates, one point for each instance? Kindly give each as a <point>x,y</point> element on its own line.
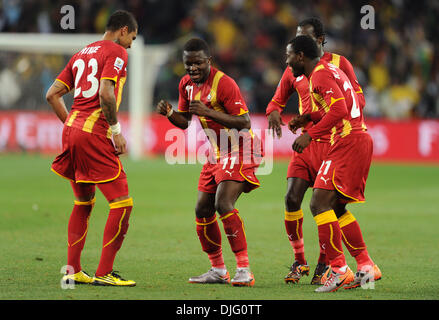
<point>195,75</point>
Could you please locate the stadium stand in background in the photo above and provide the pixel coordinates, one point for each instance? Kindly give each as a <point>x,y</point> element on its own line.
<point>397,63</point>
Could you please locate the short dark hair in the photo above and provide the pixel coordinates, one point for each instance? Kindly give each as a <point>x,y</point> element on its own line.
<point>316,23</point>
<point>120,19</point>
<point>197,44</point>
<point>306,45</point>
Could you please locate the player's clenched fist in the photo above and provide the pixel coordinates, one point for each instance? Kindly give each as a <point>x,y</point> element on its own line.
<point>163,107</point>
<point>198,108</point>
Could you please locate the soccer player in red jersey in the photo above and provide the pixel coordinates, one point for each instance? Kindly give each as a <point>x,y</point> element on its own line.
<point>91,143</point>
<point>230,168</point>
<point>344,170</point>
<point>304,166</point>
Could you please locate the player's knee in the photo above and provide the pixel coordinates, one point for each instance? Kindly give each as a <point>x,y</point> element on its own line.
<point>203,212</point>
<point>339,209</point>
<point>317,206</point>
<point>292,202</point>
<point>223,206</point>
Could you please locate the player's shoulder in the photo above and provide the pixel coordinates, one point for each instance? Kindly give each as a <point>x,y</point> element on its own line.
<point>340,61</point>
<point>224,80</point>
<point>288,75</point>
<point>322,70</point>
<point>323,73</point>
<point>112,48</point>
<point>184,81</point>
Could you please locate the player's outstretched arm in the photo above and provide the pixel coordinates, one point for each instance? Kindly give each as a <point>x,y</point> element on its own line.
<point>178,119</point>
<point>54,97</point>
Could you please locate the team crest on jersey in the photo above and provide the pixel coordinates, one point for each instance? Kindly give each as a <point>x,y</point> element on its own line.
<point>118,64</point>
<point>209,97</point>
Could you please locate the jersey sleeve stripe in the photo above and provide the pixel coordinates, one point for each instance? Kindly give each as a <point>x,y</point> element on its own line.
<point>280,105</point>
<point>64,83</point>
<point>335,60</point>
<point>112,79</point>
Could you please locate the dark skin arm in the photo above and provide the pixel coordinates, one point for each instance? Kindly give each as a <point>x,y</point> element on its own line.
<point>108,105</point>
<point>301,142</point>
<point>178,119</point>
<point>304,140</point>
<point>54,97</point>
<point>275,122</point>
<point>227,120</point>
<point>298,122</point>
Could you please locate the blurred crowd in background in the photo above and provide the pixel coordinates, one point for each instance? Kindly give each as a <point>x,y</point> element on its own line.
<point>397,62</point>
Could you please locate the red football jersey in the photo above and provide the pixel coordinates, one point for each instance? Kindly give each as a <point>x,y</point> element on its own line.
<point>289,83</point>
<point>337,103</point>
<point>342,63</point>
<point>286,87</point>
<point>221,93</point>
<point>99,60</point>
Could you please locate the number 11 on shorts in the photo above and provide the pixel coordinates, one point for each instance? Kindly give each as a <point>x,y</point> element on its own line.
<point>232,162</point>
<point>327,164</point>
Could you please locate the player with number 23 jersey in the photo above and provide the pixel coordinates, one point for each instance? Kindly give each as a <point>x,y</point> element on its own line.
<point>100,60</point>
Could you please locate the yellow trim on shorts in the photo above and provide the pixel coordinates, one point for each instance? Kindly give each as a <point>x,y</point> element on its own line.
<point>246,179</point>
<point>103,181</point>
<point>60,175</point>
<point>354,200</point>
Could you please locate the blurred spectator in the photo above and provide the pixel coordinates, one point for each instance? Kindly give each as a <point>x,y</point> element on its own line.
<point>397,63</point>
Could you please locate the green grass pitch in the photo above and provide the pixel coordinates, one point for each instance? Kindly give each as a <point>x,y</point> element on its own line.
<point>399,221</point>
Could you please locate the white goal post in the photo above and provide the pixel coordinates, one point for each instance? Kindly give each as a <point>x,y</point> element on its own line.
<point>143,67</point>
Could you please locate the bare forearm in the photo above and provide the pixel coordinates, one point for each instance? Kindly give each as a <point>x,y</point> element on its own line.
<point>59,107</point>
<point>54,97</point>
<point>229,121</point>
<point>180,119</point>
<point>108,106</point>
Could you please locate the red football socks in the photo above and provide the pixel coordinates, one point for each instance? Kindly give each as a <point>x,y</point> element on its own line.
<point>209,235</point>
<point>234,229</point>
<point>77,233</point>
<point>353,240</point>
<point>330,238</point>
<point>293,226</point>
<point>322,256</point>
<point>114,233</point>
